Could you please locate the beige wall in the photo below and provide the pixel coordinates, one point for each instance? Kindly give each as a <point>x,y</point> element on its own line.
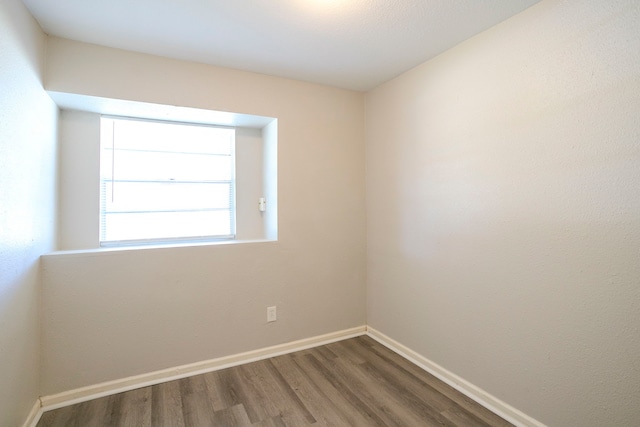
<point>114,314</point>
<point>79,180</point>
<point>27,211</point>
<point>504,211</point>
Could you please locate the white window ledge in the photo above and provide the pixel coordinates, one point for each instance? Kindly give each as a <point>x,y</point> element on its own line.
<point>152,247</point>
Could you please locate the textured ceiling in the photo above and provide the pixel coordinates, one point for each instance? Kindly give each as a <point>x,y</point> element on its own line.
<point>355,44</point>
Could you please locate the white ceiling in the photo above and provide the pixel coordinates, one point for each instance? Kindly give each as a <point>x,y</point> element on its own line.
<point>355,44</point>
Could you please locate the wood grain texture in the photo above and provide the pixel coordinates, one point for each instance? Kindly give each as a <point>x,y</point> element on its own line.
<point>355,382</point>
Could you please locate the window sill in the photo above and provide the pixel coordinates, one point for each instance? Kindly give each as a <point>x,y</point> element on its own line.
<point>118,249</point>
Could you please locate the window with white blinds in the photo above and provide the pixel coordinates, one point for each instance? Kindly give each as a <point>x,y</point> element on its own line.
<point>163,182</point>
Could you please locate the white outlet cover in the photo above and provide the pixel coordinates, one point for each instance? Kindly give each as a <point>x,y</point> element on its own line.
<point>271,314</point>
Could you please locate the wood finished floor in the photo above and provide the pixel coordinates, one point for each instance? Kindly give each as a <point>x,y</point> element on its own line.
<point>355,382</point>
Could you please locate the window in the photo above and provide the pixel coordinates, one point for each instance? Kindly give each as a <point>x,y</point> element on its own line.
<point>165,182</point>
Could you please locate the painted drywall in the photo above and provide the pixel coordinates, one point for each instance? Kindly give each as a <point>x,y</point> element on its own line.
<point>270,182</point>
<point>27,210</point>
<point>109,315</point>
<point>79,176</point>
<point>249,185</point>
<point>503,211</point>
<point>79,190</point>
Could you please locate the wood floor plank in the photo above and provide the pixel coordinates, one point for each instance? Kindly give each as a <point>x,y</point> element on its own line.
<point>92,413</point>
<point>334,397</point>
<point>258,406</point>
<point>324,411</point>
<point>325,351</point>
<point>360,384</point>
<point>196,407</point>
<point>287,392</point>
<point>223,386</point>
<point>413,404</point>
<point>234,416</point>
<point>273,399</point>
<point>394,409</point>
<point>271,422</point>
<point>166,405</point>
<point>135,410</point>
<point>113,413</point>
<point>393,377</point>
<point>346,391</point>
<point>463,418</point>
<point>340,350</point>
<point>355,382</point>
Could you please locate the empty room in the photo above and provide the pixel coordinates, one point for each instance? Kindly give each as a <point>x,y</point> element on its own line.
<point>319,212</point>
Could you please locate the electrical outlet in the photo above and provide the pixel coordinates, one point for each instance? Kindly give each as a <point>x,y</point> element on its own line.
<point>271,314</point>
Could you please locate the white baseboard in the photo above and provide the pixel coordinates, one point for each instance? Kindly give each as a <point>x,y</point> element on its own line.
<point>34,415</point>
<point>83,394</point>
<point>485,399</point>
